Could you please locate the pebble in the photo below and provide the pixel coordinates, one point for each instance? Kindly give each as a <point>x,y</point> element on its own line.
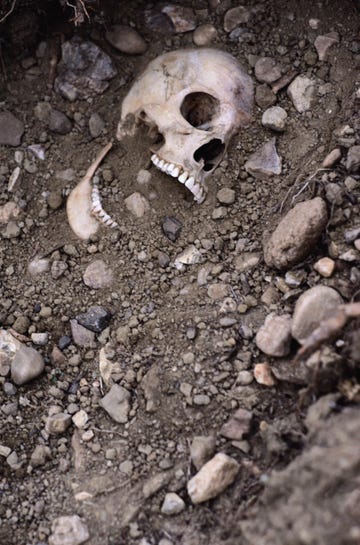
<point>264,96</point>
<point>325,267</point>
<point>171,228</point>
<point>96,125</point>
<point>58,269</point>
<point>11,129</point>
<point>265,162</point>
<point>353,159</point>
<point>4,451</point>
<point>213,478</point>
<point>301,92</point>
<point>274,336</point>
<point>235,17</point>
<point>324,43</point>
<point>98,275</point>
<point>267,70</point>
<point>117,403</point>
<point>313,306</point>
<point>201,399</point>
<point>81,336</point>
<point>218,291</point>
<point>25,362</point>
<point>333,157</point>
<point>204,34</point>
<point>143,176</point>
<point>182,18</point>
<point>67,175</point>
<point>352,234</point>
<point>57,423</point>
<point>237,426</point>
<point>96,318</point>
<point>55,120</point>
<point>190,256</point>
<point>8,211</point>
<point>41,339</point>
<point>55,200</point>
<point>263,374</point>
<point>15,175</point>
<point>137,204</point>
<point>126,39</point>
<point>21,324</point>
<point>172,504</point>
<point>296,234</point>
<point>274,118</point>
<point>226,195</point>
<point>40,455</point>
<point>80,418</point>
<point>202,448</point>
<point>68,530</point>
<point>247,261</point>
<point>64,342</point>
<point>244,378</point>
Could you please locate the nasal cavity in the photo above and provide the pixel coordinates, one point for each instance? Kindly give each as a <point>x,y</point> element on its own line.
<point>199,109</point>
<point>211,153</point>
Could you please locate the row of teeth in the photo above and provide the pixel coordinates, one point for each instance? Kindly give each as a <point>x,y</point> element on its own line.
<point>182,175</point>
<point>98,211</point>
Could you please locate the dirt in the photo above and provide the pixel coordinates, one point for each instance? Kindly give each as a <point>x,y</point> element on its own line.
<point>297,473</point>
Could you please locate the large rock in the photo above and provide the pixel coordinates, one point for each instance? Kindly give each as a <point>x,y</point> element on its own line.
<point>213,478</point>
<point>313,306</point>
<point>296,234</point>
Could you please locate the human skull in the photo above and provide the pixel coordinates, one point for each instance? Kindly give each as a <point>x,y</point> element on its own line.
<point>195,100</point>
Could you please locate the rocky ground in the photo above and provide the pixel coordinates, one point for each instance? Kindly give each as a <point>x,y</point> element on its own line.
<point>166,382</point>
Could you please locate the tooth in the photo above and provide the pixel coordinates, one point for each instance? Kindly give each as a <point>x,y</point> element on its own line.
<point>190,183</point>
<point>175,172</point>
<point>155,159</point>
<point>161,164</point>
<point>170,168</point>
<point>183,177</point>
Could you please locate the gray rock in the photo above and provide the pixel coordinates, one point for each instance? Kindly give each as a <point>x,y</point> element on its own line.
<point>11,129</point>
<point>274,336</point>
<point>126,39</point>
<point>226,195</point>
<point>81,336</point>
<point>172,504</point>
<point>313,306</point>
<point>137,204</point>
<point>26,365</point>
<point>204,34</point>
<point>96,318</point>
<point>96,125</point>
<point>98,275</point>
<point>235,17</point>
<point>323,43</point>
<point>117,403</point>
<point>68,530</point>
<point>353,159</point>
<point>267,70</point>
<point>265,162</point>
<point>264,96</point>
<point>202,448</point>
<point>237,426</point>
<point>171,227</point>
<point>274,118</point>
<point>40,455</point>
<point>333,157</point>
<point>38,266</point>
<point>183,18</point>
<point>57,423</point>
<point>213,478</point>
<point>302,91</point>
<point>55,120</point>
<point>296,234</point>
<point>58,268</point>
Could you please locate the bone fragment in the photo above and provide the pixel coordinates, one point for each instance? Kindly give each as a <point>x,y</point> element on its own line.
<point>78,206</point>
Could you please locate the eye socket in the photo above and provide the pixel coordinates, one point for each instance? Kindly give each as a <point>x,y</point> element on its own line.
<point>199,109</point>
<point>210,153</point>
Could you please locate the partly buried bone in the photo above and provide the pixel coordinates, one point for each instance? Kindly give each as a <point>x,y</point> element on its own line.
<point>82,205</point>
<point>194,101</point>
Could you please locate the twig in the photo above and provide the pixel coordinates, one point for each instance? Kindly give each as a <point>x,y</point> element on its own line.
<point>302,189</point>
<point>9,12</point>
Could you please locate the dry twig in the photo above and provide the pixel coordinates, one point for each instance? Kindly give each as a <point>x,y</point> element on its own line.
<point>9,12</point>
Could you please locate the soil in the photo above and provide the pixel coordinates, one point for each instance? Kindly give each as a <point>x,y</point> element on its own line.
<point>298,473</point>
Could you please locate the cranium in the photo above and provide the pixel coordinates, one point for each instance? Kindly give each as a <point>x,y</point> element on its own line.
<point>195,100</point>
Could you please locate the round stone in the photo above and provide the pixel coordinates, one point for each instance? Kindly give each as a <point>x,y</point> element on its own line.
<point>126,39</point>
<point>274,118</point>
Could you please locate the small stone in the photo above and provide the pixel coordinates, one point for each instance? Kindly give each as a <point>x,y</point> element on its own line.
<point>13,460</point>
<point>64,342</point>
<point>274,336</point>
<point>247,261</point>
<point>274,118</point>
<point>143,176</point>
<point>267,70</point>
<point>58,122</point>
<point>95,319</point>
<point>219,213</point>
<point>26,365</point>
<point>353,159</point>
<point>238,425</point>
<point>96,125</point>
<point>67,175</point>
<point>58,269</point>
<point>190,256</point>
<point>235,17</point>
<point>40,455</point>
<point>202,448</point>
<point>218,291</point>
<point>263,374</point>
<point>4,451</point>
<point>98,275</point>
<point>302,91</point>
<point>244,378</point>
<point>171,227</point>
<point>81,336</point>
<point>117,403</point>
<point>55,200</point>
<point>182,18</point>
<point>204,35</point>
<point>11,129</point>
<point>325,267</point>
<point>264,96</point>
<point>57,423</point>
<point>41,339</point>
<point>9,211</point>
<point>296,234</point>
<point>68,530</point>
<point>213,478</point>
<point>323,43</point>
<point>80,418</point>
<point>265,162</point>
<point>172,504</point>
<point>137,204</point>
<point>333,157</point>
<point>226,195</point>
<point>126,39</point>
<point>21,324</point>
<point>312,307</point>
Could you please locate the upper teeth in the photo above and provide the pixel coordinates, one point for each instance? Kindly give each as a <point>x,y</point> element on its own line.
<point>182,175</point>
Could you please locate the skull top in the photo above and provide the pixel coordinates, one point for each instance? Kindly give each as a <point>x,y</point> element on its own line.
<point>195,100</point>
